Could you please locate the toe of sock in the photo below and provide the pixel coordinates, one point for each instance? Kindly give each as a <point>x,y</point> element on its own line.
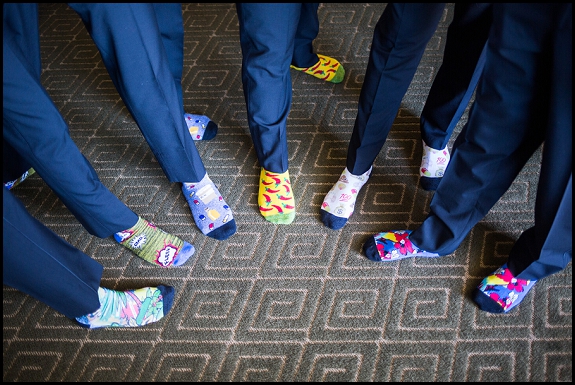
<point>281,219</point>
<point>485,303</point>
<point>332,221</point>
<point>211,131</point>
<point>429,184</point>
<point>223,232</point>
<point>184,254</point>
<point>370,250</point>
<point>339,75</point>
<point>168,297</point>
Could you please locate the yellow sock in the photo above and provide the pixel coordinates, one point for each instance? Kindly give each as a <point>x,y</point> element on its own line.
<point>326,68</point>
<point>275,197</point>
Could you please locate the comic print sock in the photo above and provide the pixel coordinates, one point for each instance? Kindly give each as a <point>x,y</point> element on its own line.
<point>339,203</point>
<point>433,165</point>
<point>501,291</point>
<point>200,127</point>
<point>10,185</point>
<point>275,197</point>
<point>393,246</point>
<point>211,213</point>
<point>154,245</point>
<point>326,68</point>
<point>130,308</point>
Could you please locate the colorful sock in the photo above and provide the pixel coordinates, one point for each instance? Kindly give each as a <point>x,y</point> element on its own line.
<point>393,246</point>
<point>339,203</point>
<point>211,213</point>
<point>155,245</point>
<point>200,127</point>
<point>326,68</point>
<point>130,308</point>
<point>433,165</point>
<point>10,185</point>
<point>501,291</point>
<point>275,197</point>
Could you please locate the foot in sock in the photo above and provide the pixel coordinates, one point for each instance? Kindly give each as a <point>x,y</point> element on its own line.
<point>501,291</point>
<point>393,246</point>
<point>339,203</point>
<point>10,185</point>
<point>211,213</point>
<point>200,127</point>
<point>130,308</point>
<point>275,197</point>
<point>154,245</point>
<point>433,165</point>
<point>326,68</point>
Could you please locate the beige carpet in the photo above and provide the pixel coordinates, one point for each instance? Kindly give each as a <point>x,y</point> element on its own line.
<point>280,303</point>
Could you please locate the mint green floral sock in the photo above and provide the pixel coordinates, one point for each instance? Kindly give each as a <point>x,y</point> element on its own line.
<point>130,308</point>
<point>154,245</point>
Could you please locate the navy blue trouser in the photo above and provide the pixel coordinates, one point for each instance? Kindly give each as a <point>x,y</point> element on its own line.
<point>524,99</point>
<point>39,263</point>
<point>142,48</point>
<point>399,40</point>
<point>273,36</point>
<point>36,135</point>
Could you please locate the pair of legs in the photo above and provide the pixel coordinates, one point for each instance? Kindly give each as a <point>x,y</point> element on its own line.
<point>399,40</point>
<point>35,134</point>
<point>523,100</point>
<point>68,280</point>
<point>273,38</point>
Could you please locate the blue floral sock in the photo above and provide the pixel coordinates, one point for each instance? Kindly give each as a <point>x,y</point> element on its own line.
<point>200,127</point>
<point>501,291</point>
<point>211,213</point>
<point>393,246</point>
<point>130,308</point>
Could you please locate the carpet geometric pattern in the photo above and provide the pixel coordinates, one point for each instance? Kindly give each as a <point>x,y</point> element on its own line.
<point>275,303</point>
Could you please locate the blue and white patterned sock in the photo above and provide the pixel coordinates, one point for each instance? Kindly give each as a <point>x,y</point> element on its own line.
<point>200,127</point>
<point>211,213</point>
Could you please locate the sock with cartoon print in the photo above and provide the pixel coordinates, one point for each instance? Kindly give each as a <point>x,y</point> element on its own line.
<point>154,245</point>
<point>130,308</point>
<point>211,213</point>
<point>339,203</point>
<point>275,197</point>
<point>433,165</point>
<point>200,127</point>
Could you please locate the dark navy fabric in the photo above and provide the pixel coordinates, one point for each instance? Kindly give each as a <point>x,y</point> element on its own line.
<point>524,100</point>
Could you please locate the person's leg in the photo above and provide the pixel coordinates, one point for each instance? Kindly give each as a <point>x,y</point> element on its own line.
<point>453,87</point>
<point>304,58</point>
<point>39,263</point>
<point>41,137</point>
<point>171,27</point>
<point>267,33</point>
<point>399,40</point>
<point>547,247</point>
<point>148,80</point>
<point>504,130</point>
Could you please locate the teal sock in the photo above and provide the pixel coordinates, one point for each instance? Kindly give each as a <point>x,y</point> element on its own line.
<point>154,245</point>
<point>130,308</point>
<point>211,213</point>
<point>10,185</point>
<point>200,127</point>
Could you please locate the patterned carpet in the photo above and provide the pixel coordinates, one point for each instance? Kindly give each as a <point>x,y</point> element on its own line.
<point>280,303</point>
